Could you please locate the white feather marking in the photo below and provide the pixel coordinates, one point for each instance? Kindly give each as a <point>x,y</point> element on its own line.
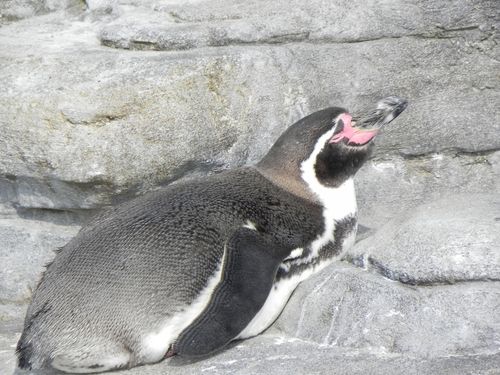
<point>155,345</point>
<point>283,289</point>
<point>338,203</point>
<point>276,301</point>
<point>295,253</point>
<point>281,292</point>
<point>83,365</point>
<point>250,225</point>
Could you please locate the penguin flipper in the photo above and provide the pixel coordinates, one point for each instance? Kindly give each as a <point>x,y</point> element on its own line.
<point>249,268</point>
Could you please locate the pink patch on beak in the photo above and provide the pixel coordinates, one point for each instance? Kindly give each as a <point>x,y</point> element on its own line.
<point>352,134</point>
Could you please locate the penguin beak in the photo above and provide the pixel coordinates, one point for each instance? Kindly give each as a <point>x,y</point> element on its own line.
<point>362,129</point>
<point>352,134</point>
<point>387,110</point>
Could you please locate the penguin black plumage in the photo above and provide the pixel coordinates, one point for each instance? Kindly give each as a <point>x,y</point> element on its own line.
<point>186,269</point>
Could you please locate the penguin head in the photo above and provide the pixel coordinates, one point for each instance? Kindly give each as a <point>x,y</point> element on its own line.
<point>328,146</point>
<point>340,152</point>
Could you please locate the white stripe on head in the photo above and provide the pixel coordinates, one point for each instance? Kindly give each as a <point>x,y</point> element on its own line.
<point>338,202</point>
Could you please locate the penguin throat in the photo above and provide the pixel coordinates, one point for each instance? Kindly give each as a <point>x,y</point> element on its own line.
<point>338,202</point>
<point>352,134</point>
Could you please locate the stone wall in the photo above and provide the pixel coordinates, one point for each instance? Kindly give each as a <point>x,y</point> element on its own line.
<point>103,100</point>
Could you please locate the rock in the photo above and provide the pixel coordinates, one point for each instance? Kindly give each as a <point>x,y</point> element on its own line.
<point>350,308</point>
<point>431,278</point>
<point>27,245</point>
<point>456,238</point>
<point>10,330</point>
<point>388,187</point>
<point>281,355</point>
<point>12,10</point>
<point>174,25</point>
<point>85,125</point>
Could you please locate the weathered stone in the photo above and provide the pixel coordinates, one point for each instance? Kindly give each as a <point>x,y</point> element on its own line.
<point>347,307</point>
<point>280,355</point>
<point>12,10</point>
<point>177,25</point>
<point>102,121</point>
<point>389,186</point>
<point>448,248</point>
<point>26,246</point>
<point>456,238</point>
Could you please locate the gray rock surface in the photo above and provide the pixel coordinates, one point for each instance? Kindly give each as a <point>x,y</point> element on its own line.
<point>27,246</point>
<point>427,284</point>
<point>456,238</point>
<point>354,309</point>
<point>83,123</point>
<point>280,355</point>
<point>13,10</point>
<point>389,186</point>
<point>174,25</point>
<point>102,100</point>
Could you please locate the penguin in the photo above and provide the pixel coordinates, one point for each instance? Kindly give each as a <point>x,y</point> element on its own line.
<point>189,268</point>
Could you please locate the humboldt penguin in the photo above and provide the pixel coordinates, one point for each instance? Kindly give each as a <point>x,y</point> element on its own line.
<point>186,269</point>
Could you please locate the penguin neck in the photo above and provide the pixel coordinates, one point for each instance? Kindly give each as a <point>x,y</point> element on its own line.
<point>290,182</point>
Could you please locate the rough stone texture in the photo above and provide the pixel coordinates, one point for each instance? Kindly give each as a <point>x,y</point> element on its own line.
<point>12,10</point>
<point>82,129</point>
<point>456,238</point>
<point>388,186</point>
<point>281,355</point>
<point>350,308</point>
<point>105,99</point>
<point>173,25</point>
<point>27,245</point>
<point>430,283</point>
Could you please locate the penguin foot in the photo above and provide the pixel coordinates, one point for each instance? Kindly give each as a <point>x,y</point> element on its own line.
<point>170,352</point>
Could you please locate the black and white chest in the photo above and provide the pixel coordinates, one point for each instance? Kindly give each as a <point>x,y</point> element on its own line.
<point>338,235</point>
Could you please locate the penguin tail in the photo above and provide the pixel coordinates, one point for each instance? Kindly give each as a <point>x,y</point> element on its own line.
<point>29,356</point>
<point>24,352</point>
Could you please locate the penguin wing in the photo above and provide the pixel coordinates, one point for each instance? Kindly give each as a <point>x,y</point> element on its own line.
<point>251,261</point>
